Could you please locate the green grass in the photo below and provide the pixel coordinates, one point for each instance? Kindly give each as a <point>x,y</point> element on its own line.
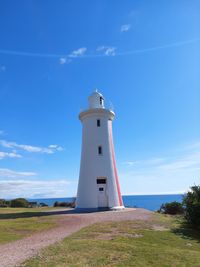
<point>162,241</point>
<point>16,223</point>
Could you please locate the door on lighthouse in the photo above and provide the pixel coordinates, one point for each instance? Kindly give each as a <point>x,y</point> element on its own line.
<point>101,192</point>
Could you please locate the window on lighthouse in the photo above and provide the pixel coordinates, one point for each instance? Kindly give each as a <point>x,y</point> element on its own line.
<point>98,123</point>
<point>101,100</point>
<point>100,150</point>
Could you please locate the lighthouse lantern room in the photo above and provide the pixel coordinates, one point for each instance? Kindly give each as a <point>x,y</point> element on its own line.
<point>98,186</point>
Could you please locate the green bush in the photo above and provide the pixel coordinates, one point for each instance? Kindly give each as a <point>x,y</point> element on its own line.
<point>43,204</point>
<point>192,206</point>
<point>65,204</point>
<point>19,202</point>
<point>172,208</point>
<point>3,203</point>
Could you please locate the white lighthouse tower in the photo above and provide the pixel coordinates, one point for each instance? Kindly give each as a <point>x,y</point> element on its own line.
<point>98,186</point>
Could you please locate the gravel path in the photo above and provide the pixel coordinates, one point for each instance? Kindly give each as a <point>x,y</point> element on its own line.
<point>14,253</point>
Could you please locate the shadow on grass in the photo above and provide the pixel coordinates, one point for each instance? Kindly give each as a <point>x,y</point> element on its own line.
<point>42,213</point>
<point>33,214</point>
<point>186,231</point>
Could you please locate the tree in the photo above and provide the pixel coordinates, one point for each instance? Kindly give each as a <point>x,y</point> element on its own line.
<point>192,206</point>
<point>172,208</point>
<point>19,202</point>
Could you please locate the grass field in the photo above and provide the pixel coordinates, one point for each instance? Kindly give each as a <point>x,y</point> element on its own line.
<point>162,241</point>
<point>16,223</point>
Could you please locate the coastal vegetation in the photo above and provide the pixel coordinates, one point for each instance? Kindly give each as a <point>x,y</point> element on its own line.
<point>190,207</point>
<point>163,240</point>
<point>24,203</point>
<point>18,202</point>
<point>69,204</point>
<point>191,202</point>
<point>172,208</point>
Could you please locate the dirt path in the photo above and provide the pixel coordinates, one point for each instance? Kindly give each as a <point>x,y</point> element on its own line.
<point>14,253</point>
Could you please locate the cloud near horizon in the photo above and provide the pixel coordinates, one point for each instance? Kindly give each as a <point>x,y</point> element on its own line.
<point>8,173</point>
<point>181,171</point>
<point>26,184</point>
<point>10,188</point>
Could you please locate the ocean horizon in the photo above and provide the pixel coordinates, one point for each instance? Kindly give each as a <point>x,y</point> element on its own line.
<point>149,202</point>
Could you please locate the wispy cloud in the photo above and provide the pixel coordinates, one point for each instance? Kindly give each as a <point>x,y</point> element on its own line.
<point>180,162</point>
<point>2,132</point>
<point>125,27</point>
<point>2,68</point>
<point>79,52</point>
<point>193,145</point>
<point>188,161</point>
<point>56,147</point>
<point>150,161</point>
<point>34,149</point>
<point>156,48</point>
<point>8,173</point>
<point>129,163</point>
<point>110,51</point>
<point>9,155</point>
<point>74,54</point>
<point>64,60</point>
<point>107,50</point>
<point>175,172</point>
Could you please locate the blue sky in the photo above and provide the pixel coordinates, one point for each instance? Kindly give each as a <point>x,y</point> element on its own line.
<point>144,56</point>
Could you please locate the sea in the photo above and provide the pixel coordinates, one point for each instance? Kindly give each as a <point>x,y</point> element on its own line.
<point>149,202</point>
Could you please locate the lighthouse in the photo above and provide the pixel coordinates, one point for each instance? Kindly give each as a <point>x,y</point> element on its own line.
<point>98,186</point>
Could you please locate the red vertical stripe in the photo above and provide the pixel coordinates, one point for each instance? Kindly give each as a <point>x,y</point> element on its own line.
<point>114,163</point>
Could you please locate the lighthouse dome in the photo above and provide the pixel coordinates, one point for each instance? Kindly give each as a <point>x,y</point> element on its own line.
<point>96,100</point>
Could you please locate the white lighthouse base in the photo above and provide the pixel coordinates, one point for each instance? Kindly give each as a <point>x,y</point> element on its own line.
<point>117,208</point>
<point>85,210</point>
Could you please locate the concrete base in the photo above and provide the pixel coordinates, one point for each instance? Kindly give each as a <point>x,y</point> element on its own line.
<point>117,208</point>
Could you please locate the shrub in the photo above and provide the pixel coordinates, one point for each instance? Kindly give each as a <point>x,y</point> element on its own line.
<point>192,206</point>
<point>32,204</point>
<point>19,202</point>
<point>172,208</point>
<point>73,203</point>
<point>70,204</point>
<point>3,203</point>
<point>59,204</point>
<point>43,204</point>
